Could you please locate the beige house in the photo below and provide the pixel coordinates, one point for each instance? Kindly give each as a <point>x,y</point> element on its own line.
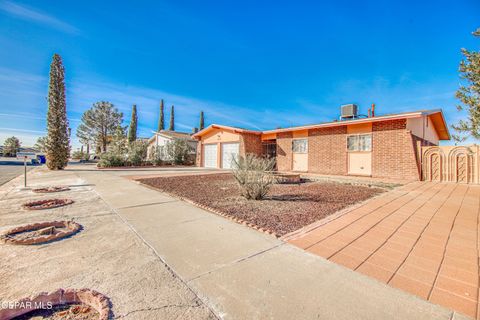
<point>162,138</point>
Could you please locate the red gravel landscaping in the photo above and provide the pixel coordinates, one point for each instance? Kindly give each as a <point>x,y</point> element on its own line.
<point>287,207</point>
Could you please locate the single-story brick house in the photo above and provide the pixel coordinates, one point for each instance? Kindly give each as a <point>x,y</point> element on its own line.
<point>385,146</point>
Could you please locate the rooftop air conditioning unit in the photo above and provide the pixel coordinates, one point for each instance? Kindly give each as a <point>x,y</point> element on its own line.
<point>349,111</point>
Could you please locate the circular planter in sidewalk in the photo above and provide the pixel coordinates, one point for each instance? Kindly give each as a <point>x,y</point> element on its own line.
<point>41,232</point>
<point>74,304</point>
<point>47,204</point>
<point>51,189</point>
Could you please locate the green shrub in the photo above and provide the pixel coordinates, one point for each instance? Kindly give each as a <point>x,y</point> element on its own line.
<point>137,152</point>
<point>254,175</point>
<point>178,151</point>
<point>80,155</point>
<point>111,159</point>
<point>157,155</point>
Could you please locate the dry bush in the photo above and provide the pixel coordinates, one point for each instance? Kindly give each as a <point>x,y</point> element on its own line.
<point>254,175</point>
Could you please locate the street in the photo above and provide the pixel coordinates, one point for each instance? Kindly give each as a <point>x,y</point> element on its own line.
<point>8,172</point>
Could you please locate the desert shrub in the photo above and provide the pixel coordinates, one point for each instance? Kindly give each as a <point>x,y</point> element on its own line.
<point>111,159</point>
<point>254,175</point>
<point>137,152</point>
<point>80,155</point>
<point>178,151</point>
<point>157,155</point>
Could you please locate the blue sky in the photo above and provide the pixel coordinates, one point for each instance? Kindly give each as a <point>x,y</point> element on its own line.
<point>254,64</point>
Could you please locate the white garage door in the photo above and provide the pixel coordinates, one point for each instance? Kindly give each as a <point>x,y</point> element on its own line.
<point>229,151</point>
<point>210,155</point>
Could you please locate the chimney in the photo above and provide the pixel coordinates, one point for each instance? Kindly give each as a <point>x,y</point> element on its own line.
<point>373,110</point>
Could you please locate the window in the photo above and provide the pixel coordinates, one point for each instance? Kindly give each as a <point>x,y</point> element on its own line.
<point>300,146</point>
<point>361,142</point>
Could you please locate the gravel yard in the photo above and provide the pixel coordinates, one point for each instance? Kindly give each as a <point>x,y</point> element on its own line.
<point>287,207</point>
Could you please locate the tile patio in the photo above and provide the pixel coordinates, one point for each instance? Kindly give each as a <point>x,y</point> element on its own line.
<point>422,238</point>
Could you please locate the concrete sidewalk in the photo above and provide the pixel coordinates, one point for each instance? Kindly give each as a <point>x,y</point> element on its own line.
<point>244,274</point>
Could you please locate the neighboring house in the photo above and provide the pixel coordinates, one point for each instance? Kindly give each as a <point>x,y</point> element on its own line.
<point>24,149</point>
<point>385,146</point>
<point>162,138</point>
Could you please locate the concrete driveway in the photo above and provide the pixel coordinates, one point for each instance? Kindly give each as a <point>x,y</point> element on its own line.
<point>422,238</point>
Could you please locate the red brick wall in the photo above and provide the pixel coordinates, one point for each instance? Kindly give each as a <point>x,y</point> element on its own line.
<point>250,143</point>
<point>327,150</point>
<point>198,158</point>
<point>284,151</point>
<point>393,151</point>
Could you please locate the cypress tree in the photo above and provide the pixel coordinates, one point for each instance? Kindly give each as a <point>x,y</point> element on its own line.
<point>57,146</point>
<point>161,118</point>
<point>202,121</point>
<point>172,119</point>
<point>132,131</point>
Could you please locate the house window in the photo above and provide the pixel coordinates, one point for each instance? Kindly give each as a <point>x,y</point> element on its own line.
<point>299,146</point>
<point>359,142</point>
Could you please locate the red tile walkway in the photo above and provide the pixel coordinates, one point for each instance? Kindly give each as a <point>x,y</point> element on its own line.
<point>422,238</point>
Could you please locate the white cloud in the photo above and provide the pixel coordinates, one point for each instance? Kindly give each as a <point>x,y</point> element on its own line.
<point>32,15</point>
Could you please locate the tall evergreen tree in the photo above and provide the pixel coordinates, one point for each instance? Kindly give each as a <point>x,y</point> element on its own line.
<point>172,119</point>
<point>58,141</point>
<point>202,121</point>
<point>132,131</point>
<point>469,95</point>
<point>161,118</point>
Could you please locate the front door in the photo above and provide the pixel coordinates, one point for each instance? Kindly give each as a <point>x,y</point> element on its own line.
<point>300,154</point>
<point>360,163</point>
<point>359,147</point>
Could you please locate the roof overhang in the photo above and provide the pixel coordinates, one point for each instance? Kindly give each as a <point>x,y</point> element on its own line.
<point>221,127</point>
<point>435,115</point>
<point>440,124</point>
<point>166,135</point>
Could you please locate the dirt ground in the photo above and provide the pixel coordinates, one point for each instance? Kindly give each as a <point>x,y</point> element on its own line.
<point>287,207</point>
<point>105,256</point>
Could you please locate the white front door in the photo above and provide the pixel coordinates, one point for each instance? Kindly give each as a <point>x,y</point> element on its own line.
<point>229,151</point>
<point>210,155</point>
<point>359,148</point>
<point>360,163</point>
<point>300,154</point>
<point>300,162</point>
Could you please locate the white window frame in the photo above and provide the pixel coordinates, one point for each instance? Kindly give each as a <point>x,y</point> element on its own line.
<point>305,147</point>
<point>358,144</point>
